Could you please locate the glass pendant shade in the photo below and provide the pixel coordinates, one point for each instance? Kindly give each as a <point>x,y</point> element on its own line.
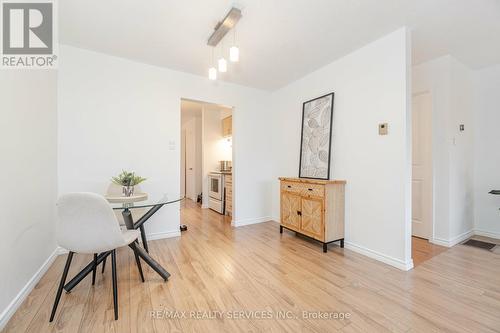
<point>234,54</point>
<point>212,74</point>
<point>222,65</point>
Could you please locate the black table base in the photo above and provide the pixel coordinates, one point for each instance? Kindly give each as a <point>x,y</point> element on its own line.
<point>139,252</point>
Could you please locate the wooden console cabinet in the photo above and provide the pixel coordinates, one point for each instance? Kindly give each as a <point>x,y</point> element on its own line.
<point>314,208</point>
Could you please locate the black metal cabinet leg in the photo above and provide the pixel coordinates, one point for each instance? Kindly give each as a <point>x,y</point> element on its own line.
<point>137,260</point>
<point>115,282</point>
<point>61,285</point>
<point>281,229</point>
<point>325,247</point>
<point>143,238</point>
<point>95,268</point>
<point>342,243</point>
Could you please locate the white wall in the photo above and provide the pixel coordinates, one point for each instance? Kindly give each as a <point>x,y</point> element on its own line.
<point>119,114</point>
<point>461,152</point>
<point>371,87</point>
<point>450,85</point>
<point>487,152</point>
<point>28,150</point>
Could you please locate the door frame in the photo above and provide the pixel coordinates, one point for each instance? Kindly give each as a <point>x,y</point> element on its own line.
<point>234,144</point>
<point>432,178</point>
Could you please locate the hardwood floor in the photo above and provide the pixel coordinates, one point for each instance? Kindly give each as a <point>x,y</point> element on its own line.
<point>422,250</point>
<point>253,268</point>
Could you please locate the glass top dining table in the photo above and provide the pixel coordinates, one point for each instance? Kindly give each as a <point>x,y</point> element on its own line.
<point>164,199</point>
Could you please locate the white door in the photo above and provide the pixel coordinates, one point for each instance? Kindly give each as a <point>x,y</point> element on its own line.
<point>191,160</point>
<point>422,166</point>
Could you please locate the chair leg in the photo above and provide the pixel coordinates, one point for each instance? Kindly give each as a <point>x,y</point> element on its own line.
<point>137,260</point>
<point>61,285</point>
<point>115,282</point>
<point>95,268</point>
<point>104,264</point>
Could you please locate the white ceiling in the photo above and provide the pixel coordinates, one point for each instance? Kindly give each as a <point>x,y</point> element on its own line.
<point>279,40</point>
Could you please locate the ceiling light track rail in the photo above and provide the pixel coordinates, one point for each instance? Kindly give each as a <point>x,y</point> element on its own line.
<point>224,26</point>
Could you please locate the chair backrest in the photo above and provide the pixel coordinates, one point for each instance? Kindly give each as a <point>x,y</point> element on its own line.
<point>87,224</point>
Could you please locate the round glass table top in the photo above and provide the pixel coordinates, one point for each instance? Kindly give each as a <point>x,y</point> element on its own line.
<point>150,201</point>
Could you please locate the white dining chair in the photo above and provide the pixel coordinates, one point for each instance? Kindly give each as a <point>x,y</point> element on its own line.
<point>87,224</point>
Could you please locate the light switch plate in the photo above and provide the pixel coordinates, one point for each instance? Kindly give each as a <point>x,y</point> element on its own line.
<point>383,129</point>
<point>171,145</point>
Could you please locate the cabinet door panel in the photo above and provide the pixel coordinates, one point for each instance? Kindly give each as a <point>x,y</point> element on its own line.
<point>290,205</point>
<point>312,218</point>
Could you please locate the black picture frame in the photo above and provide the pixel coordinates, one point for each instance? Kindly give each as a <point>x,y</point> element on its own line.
<point>332,94</point>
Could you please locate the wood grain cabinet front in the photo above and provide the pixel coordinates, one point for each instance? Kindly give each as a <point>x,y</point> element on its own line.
<point>228,185</point>
<point>314,208</point>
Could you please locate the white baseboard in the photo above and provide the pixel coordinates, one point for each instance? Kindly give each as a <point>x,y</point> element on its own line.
<point>28,287</point>
<point>162,235</point>
<point>454,241</point>
<point>240,223</point>
<point>405,266</point>
<point>204,206</point>
<point>487,233</point>
<point>61,250</point>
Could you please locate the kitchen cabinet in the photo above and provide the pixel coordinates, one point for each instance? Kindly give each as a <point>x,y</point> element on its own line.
<point>228,186</point>
<point>227,126</point>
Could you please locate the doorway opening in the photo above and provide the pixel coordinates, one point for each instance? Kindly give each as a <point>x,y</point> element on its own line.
<point>206,171</point>
<point>422,180</point>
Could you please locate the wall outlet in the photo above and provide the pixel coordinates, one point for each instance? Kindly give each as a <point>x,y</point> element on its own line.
<point>462,127</point>
<point>383,129</point>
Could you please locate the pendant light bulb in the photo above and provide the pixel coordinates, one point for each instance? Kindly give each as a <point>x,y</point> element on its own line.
<point>212,74</point>
<point>234,54</point>
<point>222,65</point>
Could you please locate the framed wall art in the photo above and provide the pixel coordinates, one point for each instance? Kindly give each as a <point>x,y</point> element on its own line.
<point>316,138</point>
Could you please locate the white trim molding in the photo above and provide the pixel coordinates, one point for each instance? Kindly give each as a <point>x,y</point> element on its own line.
<point>487,233</point>
<point>240,223</point>
<point>161,235</point>
<point>454,241</point>
<point>400,264</point>
<point>28,287</point>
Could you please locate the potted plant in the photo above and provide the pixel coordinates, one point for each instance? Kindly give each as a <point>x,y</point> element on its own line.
<point>127,180</point>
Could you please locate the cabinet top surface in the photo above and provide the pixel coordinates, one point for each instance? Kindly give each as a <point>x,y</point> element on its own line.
<point>312,181</point>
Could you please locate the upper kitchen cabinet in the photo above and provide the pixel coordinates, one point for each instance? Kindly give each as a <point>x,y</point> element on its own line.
<point>227,126</point>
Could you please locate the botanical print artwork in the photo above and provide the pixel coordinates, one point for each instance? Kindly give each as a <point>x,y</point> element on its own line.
<point>316,138</point>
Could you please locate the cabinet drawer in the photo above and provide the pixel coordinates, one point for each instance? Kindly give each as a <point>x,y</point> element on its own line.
<point>313,189</point>
<point>303,188</point>
<point>291,187</point>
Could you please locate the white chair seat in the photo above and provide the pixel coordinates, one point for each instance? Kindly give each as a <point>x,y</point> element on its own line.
<point>130,235</point>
